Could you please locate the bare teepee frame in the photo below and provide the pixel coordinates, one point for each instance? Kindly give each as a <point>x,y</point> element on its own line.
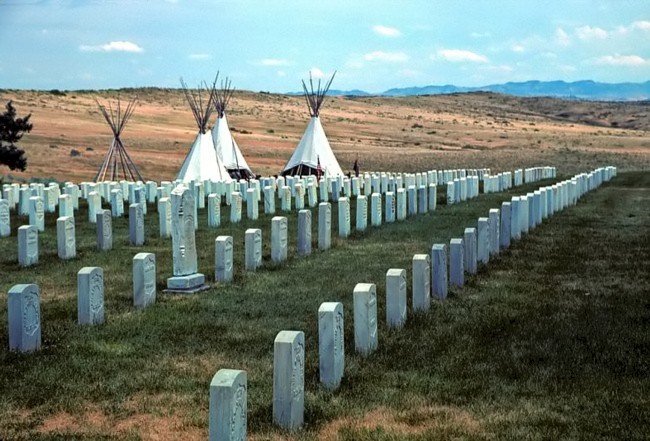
<point>201,109</point>
<point>315,97</point>
<point>117,160</point>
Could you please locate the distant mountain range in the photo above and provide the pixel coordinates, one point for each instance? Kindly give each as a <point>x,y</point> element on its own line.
<point>584,90</point>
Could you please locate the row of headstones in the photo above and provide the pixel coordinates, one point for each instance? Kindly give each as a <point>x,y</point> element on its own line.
<point>229,389</point>
<point>24,311</point>
<point>287,188</point>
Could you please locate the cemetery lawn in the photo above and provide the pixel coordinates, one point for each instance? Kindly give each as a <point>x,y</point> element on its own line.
<point>550,341</point>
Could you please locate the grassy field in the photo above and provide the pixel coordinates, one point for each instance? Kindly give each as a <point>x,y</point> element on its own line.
<point>549,341</point>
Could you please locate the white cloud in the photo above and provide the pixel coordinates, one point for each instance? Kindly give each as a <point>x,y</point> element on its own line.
<point>622,60</point>
<point>480,34</point>
<point>199,56</point>
<point>590,33</point>
<point>274,62</point>
<point>567,68</point>
<point>503,68</point>
<point>281,73</point>
<point>316,73</point>
<point>460,55</point>
<point>549,54</point>
<point>410,73</point>
<point>519,48</point>
<point>113,46</point>
<point>386,31</point>
<point>391,57</point>
<point>562,38</point>
<point>643,25</point>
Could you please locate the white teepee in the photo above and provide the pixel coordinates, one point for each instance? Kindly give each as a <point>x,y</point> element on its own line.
<point>313,146</point>
<point>202,162</point>
<point>226,146</point>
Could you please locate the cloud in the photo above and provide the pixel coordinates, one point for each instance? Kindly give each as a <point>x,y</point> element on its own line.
<point>643,25</point>
<point>585,33</point>
<point>480,35</point>
<point>562,38</point>
<point>386,31</point>
<point>281,73</point>
<point>460,55</point>
<point>567,68</point>
<point>113,46</point>
<point>502,68</point>
<point>274,62</point>
<point>622,60</point>
<point>390,57</point>
<point>199,56</point>
<point>519,48</point>
<point>316,72</point>
<point>410,73</point>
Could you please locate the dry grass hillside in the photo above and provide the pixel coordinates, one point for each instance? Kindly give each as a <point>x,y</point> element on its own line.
<point>400,134</point>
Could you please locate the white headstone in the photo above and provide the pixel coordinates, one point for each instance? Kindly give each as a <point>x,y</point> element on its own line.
<point>66,207</point>
<point>456,263</point>
<point>401,204</point>
<point>344,217</point>
<point>5,218</point>
<point>390,207</point>
<point>375,209</point>
<point>365,318</point>
<point>117,203</point>
<point>515,223</point>
<point>37,213</point>
<point>253,249</point>
<point>104,229</point>
<point>483,240</point>
<point>136,224</point>
<point>27,245</point>
<point>494,225</point>
<point>144,280</point>
<point>304,232</point>
<point>362,213</point>
<point>269,200</point>
<point>65,238</point>
<point>214,210</point>
<point>433,197</point>
<point>289,379</point>
<point>165,217</point>
<point>421,282</point>
<point>235,207</point>
<point>90,296</point>
<point>423,202</point>
<point>24,315</point>
<point>331,347</point>
<point>324,225</point>
<point>412,201</point>
<point>439,282</point>
<point>279,239</point>
<point>469,251</point>
<point>94,205</point>
<point>252,208</point>
<point>504,233</point>
<point>395,297</point>
<point>228,405</point>
<point>223,258</point>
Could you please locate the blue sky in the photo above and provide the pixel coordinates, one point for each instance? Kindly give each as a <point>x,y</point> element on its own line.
<point>271,45</point>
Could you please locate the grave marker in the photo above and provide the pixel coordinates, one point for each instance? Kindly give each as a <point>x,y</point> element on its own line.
<point>223,257</point>
<point>90,296</point>
<point>289,379</point>
<point>24,315</point>
<point>144,280</point>
<point>331,346</point>
<point>365,318</point>
<point>395,297</point>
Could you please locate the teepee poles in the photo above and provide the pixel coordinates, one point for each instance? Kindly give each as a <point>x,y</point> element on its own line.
<point>201,110</point>
<point>315,97</point>
<point>117,162</point>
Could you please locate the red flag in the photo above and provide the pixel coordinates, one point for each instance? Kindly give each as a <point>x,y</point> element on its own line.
<point>356,167</point>
<point>319,169</point>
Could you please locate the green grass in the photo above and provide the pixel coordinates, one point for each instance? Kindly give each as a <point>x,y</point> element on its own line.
<point>549,341</point>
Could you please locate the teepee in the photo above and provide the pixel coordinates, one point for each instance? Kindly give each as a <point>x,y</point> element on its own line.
<point>313,146</point>
<point>227,149</point>
<point>117,161</point>
<point>202,162</point>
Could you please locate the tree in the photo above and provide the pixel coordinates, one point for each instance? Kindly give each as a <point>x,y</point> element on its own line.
<point>11,130</point>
